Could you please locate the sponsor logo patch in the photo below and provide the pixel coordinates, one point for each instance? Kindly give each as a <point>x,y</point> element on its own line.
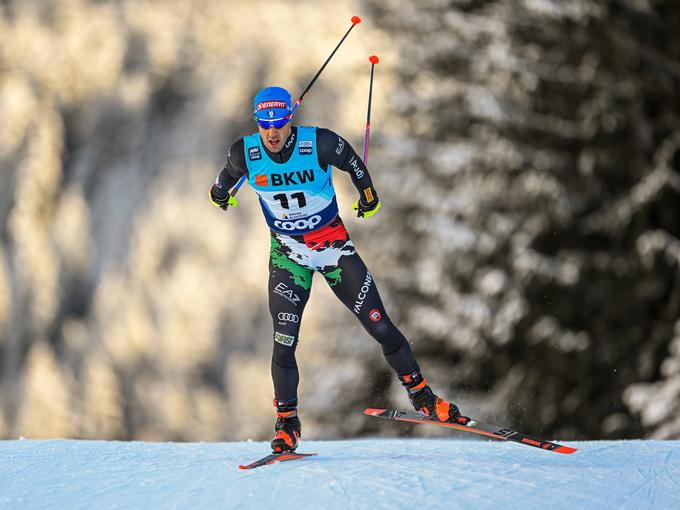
<point>298,224</point>
<point>375,315</point>
<point>254,153</point>
<point>291,140</point>
<point>293,216</point>
<point>355,168</point>
<point>293,178</point>
<point>359,302</point>
<point>289,317</point>
<point>261,180</point>
<point>271,104</point>
<point>341,145</point>
<point>369,195</point>
<point>305,147</point>
<point>282,290</point>
<point>284,339</point>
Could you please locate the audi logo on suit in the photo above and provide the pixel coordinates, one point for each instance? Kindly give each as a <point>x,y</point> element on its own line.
<point>290,317</point>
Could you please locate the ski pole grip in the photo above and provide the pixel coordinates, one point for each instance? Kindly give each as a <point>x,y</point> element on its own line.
<point>233,192</point>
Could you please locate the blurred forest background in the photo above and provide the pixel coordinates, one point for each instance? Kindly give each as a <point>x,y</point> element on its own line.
<point>527,154</point>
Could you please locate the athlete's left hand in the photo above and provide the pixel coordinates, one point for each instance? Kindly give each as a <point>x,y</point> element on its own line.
<point>366,209</point>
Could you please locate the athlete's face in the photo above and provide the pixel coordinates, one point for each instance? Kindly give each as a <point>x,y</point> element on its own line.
<point>275,138</point>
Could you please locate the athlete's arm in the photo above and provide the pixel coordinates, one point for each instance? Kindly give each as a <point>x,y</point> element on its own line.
<point>335,150</point>
<point>234,168</point>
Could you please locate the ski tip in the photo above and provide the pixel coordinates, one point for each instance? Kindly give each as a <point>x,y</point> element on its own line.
<point>374,59</point>
<point>275,457</point>
<point>373,412</point>
<point>356,20</point>
<point>565,449</point>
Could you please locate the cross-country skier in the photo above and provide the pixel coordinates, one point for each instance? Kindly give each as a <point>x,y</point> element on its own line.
<point>290,169</point>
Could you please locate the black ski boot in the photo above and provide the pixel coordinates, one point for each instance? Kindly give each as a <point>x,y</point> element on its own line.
<point>426,402</point>
<point>287,427</point>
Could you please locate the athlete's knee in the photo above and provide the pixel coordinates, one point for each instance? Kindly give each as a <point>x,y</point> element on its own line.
<point>379,330</point>
<point>286,325</point>
<point>378,325</point>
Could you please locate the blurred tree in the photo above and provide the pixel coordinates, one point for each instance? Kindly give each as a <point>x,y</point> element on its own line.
<point>535,190</point>
<point>129,306</point>
<point>533,171</point>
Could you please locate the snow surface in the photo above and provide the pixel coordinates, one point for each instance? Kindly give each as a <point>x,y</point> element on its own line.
<point>366,473</point>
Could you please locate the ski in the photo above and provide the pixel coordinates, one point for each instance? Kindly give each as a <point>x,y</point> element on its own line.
<point>275,457</point>
<point>470,425</point>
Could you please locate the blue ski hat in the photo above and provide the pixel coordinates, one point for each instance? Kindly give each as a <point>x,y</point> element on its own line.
<point>271,103</point>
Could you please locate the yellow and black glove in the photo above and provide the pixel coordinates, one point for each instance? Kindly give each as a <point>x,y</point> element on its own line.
<point>368,204</point>
<point>220,200</point>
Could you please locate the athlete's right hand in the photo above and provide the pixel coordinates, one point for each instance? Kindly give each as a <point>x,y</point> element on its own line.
<point>221,201</point>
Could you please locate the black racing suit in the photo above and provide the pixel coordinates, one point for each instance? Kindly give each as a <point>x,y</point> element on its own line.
<point>328,250</point>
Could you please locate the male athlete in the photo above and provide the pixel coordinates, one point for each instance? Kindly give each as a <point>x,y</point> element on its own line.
<point>290,169</point>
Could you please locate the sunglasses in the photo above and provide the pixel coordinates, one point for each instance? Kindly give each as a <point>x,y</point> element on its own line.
<point>275,123</point>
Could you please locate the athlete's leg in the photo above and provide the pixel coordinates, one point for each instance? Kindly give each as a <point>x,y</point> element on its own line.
<point>353,284</point>
<point>351,281</point>
<point>355,287</point>
<point>289,287</point>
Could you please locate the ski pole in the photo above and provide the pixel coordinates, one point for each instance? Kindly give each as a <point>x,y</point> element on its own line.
<point>234,190</point>
<point>374,60</point>
<point>355,21</point>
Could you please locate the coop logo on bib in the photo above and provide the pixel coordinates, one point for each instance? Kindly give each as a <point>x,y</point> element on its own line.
<point>298,224</point>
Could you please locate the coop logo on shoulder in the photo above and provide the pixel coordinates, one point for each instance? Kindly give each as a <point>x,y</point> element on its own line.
<point>305,147</point>
<point>298,224</point>
<point>254,153</point>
